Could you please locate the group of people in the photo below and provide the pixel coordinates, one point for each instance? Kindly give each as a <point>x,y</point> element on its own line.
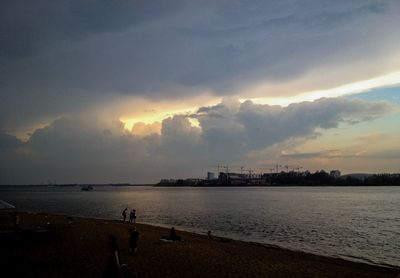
<point>114,266</point>
<point>132,215</point>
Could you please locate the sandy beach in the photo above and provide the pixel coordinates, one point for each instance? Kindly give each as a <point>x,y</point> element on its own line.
<point>63,246</point>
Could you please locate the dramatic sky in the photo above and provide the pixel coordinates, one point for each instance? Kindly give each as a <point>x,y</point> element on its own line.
<point>134,91</point>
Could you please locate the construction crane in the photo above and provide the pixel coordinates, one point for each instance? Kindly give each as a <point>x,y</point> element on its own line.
<point>293,168</point>
<point>226,168</point>
<point>220,167</point>
<point>273,167</point>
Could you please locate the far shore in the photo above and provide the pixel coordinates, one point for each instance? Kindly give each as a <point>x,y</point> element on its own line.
<point>198,186</point>
<point>49,245</point>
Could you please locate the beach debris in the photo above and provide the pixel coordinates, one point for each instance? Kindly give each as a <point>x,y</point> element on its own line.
<point>6,206</point>
<point>163,239</point>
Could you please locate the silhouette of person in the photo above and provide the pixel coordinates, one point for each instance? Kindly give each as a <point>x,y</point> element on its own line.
<point>16,222</point>
<point>113,265</point>
<point>124,214</point>
<point>173,236</point>
<point>132,216</point>
<point>133,240</point>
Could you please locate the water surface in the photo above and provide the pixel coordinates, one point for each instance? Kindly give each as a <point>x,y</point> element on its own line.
<point>357,223</point>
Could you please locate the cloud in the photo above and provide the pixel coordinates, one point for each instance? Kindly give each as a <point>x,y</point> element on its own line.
<point>59,59</point>
<point>8,141</point>
<point>29,27</point>
<point>385,154</point>
<point>257,126</point>
<point>371,138</point>
<point>303,155</point>
<point>140,128</point>
<point>74,149</point>
<point>326,154</point>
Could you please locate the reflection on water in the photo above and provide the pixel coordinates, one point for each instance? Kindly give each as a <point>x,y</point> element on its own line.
<point>358,223</point>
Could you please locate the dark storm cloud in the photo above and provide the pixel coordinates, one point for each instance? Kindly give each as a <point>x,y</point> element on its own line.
<point>56,58</point>
<point>264,41</point>
<point>86,150</point>
<point>30,26</point>
<point>8,141</point>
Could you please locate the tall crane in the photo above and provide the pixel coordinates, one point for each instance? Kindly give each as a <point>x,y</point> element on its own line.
<point>292,167</point>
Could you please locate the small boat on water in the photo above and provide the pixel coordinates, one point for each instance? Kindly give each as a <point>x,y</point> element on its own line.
<point>86,188</point>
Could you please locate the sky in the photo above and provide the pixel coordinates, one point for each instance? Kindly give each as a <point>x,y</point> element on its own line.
<point>103,91</point>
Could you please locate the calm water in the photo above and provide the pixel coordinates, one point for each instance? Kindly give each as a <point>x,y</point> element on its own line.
<point>357,223</point>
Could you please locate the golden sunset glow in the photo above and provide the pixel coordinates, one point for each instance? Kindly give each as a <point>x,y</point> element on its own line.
<point>387,80</point>
<point>151,122</point>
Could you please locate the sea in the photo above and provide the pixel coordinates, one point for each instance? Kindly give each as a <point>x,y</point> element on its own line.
<point>354,223</point>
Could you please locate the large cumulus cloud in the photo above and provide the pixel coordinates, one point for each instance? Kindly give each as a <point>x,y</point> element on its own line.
<point>86,150</point>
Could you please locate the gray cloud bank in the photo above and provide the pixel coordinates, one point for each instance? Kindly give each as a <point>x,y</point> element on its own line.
<point>86,150</point>
<point>56,58</point>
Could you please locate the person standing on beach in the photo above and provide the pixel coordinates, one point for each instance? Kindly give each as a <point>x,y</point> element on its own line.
<point>124,214</point>
<point>173,236</point>
<point>113,264</point>
<point>133,240</point>
<point>132,216</point>
<point>16,221</point>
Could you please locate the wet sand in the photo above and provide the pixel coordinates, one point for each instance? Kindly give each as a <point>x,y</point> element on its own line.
<point>62,246</point>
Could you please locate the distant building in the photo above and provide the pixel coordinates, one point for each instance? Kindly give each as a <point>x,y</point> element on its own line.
<point>335,173</point>
<point>210,176</point>
<point>192,181</point>
<point>241,179</point>
<point>167,181</point>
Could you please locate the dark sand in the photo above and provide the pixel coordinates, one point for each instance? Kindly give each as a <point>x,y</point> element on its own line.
<point>77,247</point>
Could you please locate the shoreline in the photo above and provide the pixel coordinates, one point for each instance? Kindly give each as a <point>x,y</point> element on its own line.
<point>196,249</point>
<point>195,186</point>
<point>194,232</point>
<point>271,246</point>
